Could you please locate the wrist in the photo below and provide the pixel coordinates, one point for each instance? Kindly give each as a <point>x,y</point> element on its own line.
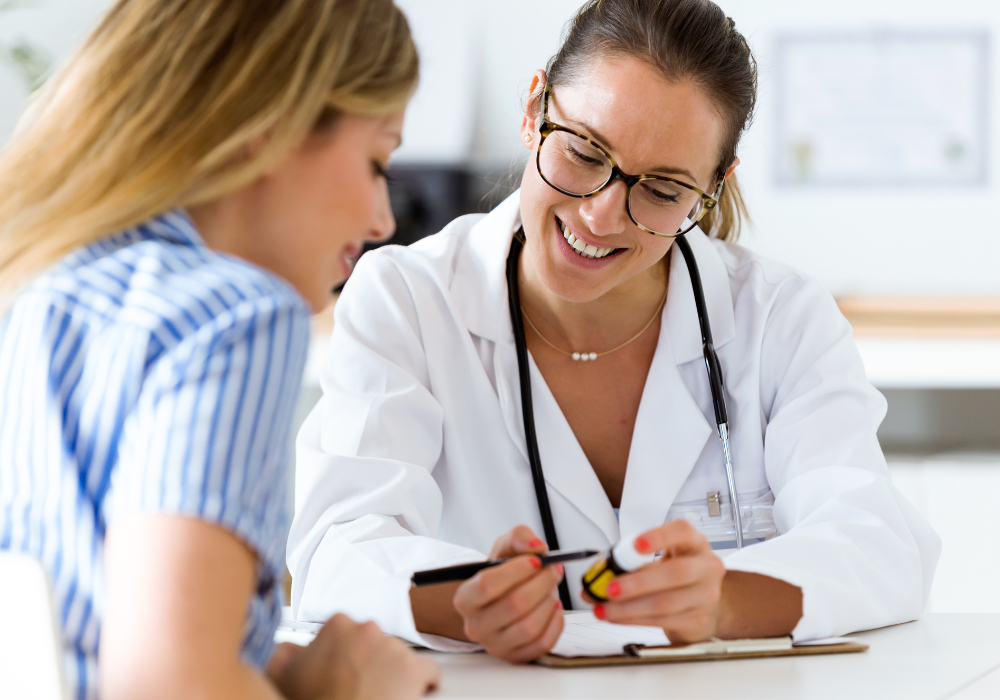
<point>754,605</point>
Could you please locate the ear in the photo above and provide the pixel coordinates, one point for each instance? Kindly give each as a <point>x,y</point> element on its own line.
<point>529,122</point>
<point>732,168</point>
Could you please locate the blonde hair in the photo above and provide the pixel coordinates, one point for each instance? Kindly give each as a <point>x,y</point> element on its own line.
<point>171,103</point>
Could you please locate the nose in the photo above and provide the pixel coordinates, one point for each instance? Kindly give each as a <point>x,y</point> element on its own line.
<point>383,222</point>
<point>605,212</point>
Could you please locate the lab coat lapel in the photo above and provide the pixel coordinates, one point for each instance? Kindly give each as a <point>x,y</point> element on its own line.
<point>481,274</point>
<point>566,468</point>
<point>671,430</point>
<point>670,434</point>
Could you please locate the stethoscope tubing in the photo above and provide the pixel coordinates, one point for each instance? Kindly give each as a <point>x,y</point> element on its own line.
<point>712,366</point>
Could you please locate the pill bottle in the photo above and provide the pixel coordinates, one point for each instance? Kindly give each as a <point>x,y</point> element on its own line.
<point>622,559</point>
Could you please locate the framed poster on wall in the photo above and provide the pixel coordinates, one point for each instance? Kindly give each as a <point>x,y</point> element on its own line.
<point>882,109</point>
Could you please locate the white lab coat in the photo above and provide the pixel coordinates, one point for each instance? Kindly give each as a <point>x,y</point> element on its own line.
<point>415,457</point>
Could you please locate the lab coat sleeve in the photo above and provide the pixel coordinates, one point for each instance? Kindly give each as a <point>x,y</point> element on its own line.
<point>862,555</point>
<point>367,508</point>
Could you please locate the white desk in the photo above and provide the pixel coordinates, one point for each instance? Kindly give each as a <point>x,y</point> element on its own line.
<point>941,656</point>
<point>931,363</point>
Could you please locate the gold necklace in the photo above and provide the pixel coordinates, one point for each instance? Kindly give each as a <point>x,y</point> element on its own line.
<point>585,356</point>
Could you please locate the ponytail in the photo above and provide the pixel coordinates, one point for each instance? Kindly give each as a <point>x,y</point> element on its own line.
<point>726,220</point>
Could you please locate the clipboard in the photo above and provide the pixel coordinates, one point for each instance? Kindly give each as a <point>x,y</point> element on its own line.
<point>625,659</point>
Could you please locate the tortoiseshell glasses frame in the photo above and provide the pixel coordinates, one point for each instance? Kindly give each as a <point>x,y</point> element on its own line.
<point>705,202</point>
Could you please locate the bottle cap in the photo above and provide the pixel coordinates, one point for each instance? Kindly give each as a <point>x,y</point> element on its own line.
<point>627,557</point>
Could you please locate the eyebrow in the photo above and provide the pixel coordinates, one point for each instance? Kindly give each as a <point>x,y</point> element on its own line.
<point>663,169</point>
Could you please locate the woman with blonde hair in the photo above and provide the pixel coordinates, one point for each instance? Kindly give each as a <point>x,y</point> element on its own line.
<point>175,201</point>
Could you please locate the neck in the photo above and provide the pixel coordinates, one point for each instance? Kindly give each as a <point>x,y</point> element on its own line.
<point>596,324</point>
<point>220,224</point>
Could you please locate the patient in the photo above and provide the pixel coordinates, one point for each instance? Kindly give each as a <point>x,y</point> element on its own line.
<point>174,204</point>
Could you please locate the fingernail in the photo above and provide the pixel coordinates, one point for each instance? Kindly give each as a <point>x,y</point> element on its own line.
<point>535,543</point>
<point>560,569</point>
<point>614,589</point>
<point>599,612</point>
<point>536,562</point>
<point>641,544</point>
<point>559,605</point>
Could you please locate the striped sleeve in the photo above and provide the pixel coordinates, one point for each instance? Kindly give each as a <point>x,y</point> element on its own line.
<point>209,432</point>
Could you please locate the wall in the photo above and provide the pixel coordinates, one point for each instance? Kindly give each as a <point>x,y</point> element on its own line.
<point>479,56</point>
<point>924,241</point>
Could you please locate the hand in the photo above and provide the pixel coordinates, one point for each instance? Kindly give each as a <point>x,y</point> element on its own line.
<point>682,592</point>
<point>513,610</point>
<point>351,660</point>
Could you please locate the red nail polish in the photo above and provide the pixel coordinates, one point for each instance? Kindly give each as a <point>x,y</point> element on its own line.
<point>536,562</point>
<point>536,543</point>
<point>614,589</point>
<point>599,612</point>
<point>641,544</point>
<point>560,569</point>
<point>559,605</point>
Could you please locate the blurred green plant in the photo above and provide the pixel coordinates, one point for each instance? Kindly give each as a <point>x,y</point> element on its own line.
<point>28,60</point>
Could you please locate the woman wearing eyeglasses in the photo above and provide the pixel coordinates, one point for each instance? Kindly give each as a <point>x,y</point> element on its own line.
<point>671,375</point>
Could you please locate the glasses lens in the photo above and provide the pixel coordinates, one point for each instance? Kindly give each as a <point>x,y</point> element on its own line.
<point>664,207</point>
<point>572,164</point>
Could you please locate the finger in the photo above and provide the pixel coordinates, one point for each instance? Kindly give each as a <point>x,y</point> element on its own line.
<point>521,540</point>
<point>657,608</point>
<point>545,642</point>
<point>690,627</point>
<point>518,603</point>
<point>675,537</point>
<point>666,574</point>
<point>492,584</point>
<point>281,657</point>
<point>528,628</point>
<point>429,673</point>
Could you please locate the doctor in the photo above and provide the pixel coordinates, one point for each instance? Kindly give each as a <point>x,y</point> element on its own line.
<point>417,455</point>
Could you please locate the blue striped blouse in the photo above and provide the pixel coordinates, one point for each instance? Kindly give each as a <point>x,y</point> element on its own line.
<point>147,373</point>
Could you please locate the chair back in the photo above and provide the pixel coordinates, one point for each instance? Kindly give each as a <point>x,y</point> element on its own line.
<point>30,646</point>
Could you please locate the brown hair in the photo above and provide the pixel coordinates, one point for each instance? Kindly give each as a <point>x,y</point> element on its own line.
<point>686,40</point>
<point>172,103</point>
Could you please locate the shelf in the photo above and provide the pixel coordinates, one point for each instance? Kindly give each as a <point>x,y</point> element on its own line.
<point>898,354</point>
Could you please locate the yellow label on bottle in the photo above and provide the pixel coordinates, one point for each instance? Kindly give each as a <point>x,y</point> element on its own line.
<point>597,578</point>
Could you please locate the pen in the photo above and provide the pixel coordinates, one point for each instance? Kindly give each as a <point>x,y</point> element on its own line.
<point>465,571</point>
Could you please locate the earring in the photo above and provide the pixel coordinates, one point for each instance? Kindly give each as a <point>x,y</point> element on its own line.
<point>527,137</point>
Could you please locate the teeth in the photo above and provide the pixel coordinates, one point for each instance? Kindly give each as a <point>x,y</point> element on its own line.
<point>587,251</point>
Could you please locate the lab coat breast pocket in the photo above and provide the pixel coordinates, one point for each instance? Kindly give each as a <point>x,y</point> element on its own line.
<point>712,516</point>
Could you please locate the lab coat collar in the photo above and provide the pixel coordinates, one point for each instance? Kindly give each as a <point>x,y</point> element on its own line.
<point>681,314</point>
<point>481,272</point>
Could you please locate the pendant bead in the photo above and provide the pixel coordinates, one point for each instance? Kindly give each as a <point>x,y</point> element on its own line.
<point>576,356</point>
<point>585,356</point>
<point>593,356</point>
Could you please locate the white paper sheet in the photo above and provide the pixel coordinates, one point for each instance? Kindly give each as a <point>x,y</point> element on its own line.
<point>825,642</point>
<point>585,635</point>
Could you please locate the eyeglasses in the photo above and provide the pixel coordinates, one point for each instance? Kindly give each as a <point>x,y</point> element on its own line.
<point>578,166</point>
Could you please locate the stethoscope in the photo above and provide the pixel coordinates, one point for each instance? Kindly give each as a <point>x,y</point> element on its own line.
<point>714,380</point>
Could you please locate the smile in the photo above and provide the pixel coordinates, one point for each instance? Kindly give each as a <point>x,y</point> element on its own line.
<point>581,248</point>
